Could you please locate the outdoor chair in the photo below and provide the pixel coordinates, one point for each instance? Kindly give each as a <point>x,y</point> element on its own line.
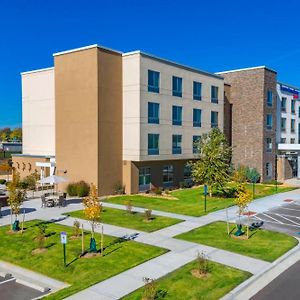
<point>44,202</point>
<point>61,201</point>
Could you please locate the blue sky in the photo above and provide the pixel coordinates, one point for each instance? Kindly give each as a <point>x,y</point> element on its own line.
<point>210,35</point>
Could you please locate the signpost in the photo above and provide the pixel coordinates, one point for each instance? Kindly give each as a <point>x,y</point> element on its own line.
<point>63,240</point>
<point>205,194</point>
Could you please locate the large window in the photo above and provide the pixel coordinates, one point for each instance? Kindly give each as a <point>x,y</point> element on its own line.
<point>153,113</point>
<point>268,169</point>
<point>196,139</point>
<point>196,117</point>
<point>214,94</point>
<point>168,173</point>
<point>187,172</point>
<point>269,144</point>
<point>269,121</point>
<point>153,81</point>
<point>144,176</point>
<point>197,90</point>
<point>283,124</point>
<point>269,98</point>
<point>293,125</point>
<point>283,104</point>
<point>293,106</point>
<point>177,115</point>
<point>282,140</point>
<point>292,140</point>
<point>177,86</point>
<point>153,144</point>
<point>214,116</point>
<point>176,144</point>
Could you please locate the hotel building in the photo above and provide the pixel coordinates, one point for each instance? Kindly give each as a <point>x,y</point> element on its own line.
<point>108,117</point>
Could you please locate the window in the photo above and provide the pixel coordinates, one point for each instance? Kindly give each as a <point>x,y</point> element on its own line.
<point>153,113</point>
<point>282,140</point>
<point>196,139</point>
<point>268,169</point>
<point>153,144</point>
<point>168,172</point>
<point>144,176</point>
<point>298,133</point>
<point>177,86</point>
<point>214,119</point>
<point>177,115</point>
<point>176,144</point>
<point>153,81</point>
<point>283,124</point>
<point>196,117</point>
<point>292,125</point>
<point>283,104</point>
<point>293,106</point>
<point>197,90</point>
<point>299,112</point>
<point>292,141</point>
<point>269,121</point>
<point>214,94</point>
<point>269,144</point>
<point>187,172</point>
<point>269,98</point>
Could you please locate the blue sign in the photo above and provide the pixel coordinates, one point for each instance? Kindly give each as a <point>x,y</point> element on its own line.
<point>205,189</point>
<point>289,89</point>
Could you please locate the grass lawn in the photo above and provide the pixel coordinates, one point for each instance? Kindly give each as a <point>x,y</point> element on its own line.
<point>262,244</point>
<point>181,284</point>
<point>81,272</point>
<point>134,220</point>
<point>191,201</point>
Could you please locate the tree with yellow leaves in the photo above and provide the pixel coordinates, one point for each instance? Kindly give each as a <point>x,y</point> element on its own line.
<point>243,199</point>
<point>92,211</point>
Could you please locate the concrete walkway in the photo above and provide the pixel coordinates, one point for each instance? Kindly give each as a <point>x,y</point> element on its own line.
<point>180,252</point>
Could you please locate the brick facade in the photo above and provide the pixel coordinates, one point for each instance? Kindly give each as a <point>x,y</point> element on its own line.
<point>247,113</point>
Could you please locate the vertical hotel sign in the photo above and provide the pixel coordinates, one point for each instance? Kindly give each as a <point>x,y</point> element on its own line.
<point>290,90</point>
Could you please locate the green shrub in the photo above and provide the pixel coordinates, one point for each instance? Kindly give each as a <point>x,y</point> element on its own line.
<point>2,181</point>
<point>157,191</point>
<point>239,174</point>
<point>72,189</point>
<point>252,175</point>
<point>82,189</point>
<point>119,188</point>
<point>273,182</point>
<point>226,191</point>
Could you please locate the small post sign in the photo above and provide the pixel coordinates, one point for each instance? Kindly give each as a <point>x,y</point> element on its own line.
<point>205,194</point>
<point>63,240</point>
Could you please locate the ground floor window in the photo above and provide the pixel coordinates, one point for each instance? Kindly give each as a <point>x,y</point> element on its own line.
<point>187,172</point>
<point>268,169</point>
<point>144,176</point>
<point>168,174</point>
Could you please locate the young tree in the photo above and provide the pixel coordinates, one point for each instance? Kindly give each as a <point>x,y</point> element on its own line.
<point>31,181</point>
<point>92,211</point>
<point>242,201</point>
<point>212,165</point>
<point>16,196</point>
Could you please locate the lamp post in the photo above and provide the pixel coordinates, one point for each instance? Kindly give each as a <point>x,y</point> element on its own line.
<point>275,167</point>
<point>205,195</point>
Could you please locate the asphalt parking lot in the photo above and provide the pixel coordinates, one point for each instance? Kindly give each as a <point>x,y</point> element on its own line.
<point>285,218</point>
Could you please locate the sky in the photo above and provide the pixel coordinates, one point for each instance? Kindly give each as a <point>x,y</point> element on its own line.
<point>209,35</point>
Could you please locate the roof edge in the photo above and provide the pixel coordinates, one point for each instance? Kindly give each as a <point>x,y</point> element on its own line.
<point>163,60</point>
<point>247,69</point>
<point>86,48</point>
<point>37,70</point>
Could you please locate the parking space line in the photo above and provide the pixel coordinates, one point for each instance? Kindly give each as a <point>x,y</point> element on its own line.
<point>272,218</point>
<point>276,223</point>
<point>288,219</point>
<point>290,208</point>
<point>279,214</point>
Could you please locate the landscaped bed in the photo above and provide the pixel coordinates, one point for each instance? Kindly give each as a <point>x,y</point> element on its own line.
<point>80,273</point>
<point>132,220</point>
<point>191,201</point>
<point>181,284</point>
<point>262,244</point>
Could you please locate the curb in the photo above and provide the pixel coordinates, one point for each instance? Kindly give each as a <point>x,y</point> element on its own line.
<point>278,263</point>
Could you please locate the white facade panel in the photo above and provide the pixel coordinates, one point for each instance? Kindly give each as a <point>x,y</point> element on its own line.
<point>38,112</point>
